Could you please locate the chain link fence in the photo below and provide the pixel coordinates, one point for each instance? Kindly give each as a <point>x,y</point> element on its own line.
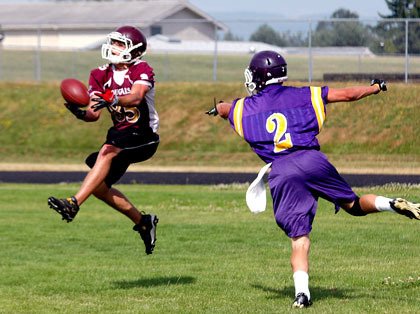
<point>316,50</point>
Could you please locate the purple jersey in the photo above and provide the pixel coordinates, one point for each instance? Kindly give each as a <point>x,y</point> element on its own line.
<point>143,116</point>
<point>280,119</point>
<point>281,123</point>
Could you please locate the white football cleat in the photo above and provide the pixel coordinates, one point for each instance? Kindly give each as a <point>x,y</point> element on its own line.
<point>406,208</point>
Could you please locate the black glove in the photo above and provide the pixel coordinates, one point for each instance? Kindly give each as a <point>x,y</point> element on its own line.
<point>75,109</point>
<point>107,99</point>
<point>380,83</point>
<point>100,104</point>
<point>213,111</point>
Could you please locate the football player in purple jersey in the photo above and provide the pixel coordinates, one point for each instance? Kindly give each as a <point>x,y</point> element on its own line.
<point>280,123</point>
<point>125,88</point>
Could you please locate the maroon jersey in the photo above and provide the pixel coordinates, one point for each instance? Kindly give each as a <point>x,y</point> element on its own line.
<point>144,116</point>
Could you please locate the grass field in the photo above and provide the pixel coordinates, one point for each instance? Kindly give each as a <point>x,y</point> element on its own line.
<point>212,256</point>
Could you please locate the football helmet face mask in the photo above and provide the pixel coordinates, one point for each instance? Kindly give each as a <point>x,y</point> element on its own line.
<point>266,67</point>
<point>126,44</point>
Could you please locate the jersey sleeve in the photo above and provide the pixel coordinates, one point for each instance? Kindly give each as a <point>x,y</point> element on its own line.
<point>324,94</point>
<point>143,74</point>
<point>236,115</point>
<point>95,85</point>
<point>319,101</point>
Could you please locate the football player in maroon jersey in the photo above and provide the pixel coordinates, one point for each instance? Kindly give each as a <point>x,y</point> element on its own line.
<point>281,123</point>
<point>125,88</point>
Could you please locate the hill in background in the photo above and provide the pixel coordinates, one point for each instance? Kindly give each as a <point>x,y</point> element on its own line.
<point>375,133</point>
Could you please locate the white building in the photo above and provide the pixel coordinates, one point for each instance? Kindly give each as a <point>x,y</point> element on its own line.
<point>84,24</point>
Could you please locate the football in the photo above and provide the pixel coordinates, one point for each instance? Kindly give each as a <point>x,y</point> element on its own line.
<point>74,92</point>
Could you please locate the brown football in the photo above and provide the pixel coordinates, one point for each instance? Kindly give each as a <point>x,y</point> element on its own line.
<point>74,92</point>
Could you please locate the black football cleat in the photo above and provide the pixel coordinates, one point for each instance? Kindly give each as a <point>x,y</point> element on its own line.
<point>147,230</point>
<point>406,208</point>
<point>301,301</point>
<point>67,207</point>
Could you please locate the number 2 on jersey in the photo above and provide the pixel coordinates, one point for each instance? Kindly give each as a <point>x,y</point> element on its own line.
<point>277,124</point>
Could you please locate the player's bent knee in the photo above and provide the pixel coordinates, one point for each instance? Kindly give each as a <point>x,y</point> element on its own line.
<point>356,209</point>
<point>109,150</point>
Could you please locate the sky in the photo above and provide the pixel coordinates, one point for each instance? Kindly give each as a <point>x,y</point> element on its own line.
<point>230,11</point>
<point>267,11</point>
<point>285,8</point>
<point>294,8</point>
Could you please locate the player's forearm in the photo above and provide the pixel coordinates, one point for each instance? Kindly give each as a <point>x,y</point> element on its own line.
<point>130,100</point>
<point>360,92</point>
<point>352,93</point>
<point>138,92</point>
<point>91,116</point>
<point>223,109</point>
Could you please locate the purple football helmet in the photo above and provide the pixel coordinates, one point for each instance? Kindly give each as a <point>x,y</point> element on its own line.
<point>266,67</point>
<point>131,45</point>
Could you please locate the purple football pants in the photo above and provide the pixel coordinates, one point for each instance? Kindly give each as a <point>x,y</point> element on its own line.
<point>296,182</point>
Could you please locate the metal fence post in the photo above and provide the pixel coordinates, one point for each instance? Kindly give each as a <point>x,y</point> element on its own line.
<point>215,55</point>
<point>310,52</point>
<point>1,61</point>
<point>166,73</point>
<point>1,52</point>
<point>406,51</point>
<point>38,57</point>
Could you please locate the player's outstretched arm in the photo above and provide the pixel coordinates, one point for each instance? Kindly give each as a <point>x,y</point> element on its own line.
<point>88,114</point>
<point>82,114</point>
<point>356,92</point>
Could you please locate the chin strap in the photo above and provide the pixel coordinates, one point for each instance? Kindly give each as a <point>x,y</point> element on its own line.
<point>276,80</point>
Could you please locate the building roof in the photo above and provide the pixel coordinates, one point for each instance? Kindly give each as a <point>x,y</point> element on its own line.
<point>97,14</point>
<point>159,43</point>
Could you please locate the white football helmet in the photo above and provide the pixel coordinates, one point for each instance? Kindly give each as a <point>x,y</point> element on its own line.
<point>132,46</point>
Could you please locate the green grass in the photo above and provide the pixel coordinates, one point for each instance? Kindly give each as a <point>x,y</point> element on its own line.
<point>212,256</point>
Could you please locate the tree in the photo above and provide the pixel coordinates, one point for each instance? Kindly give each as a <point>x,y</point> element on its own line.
<point>341,33</point>
<point>268,35</point>
<point>297,39</point>
<point>229,36</point>
<point>403,9</point>
<point>392,33</point>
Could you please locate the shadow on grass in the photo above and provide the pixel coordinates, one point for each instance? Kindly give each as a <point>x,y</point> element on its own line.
<point>317,293</point>
<point>154,282</point>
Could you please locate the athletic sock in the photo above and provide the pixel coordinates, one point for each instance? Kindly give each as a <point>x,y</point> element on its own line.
<point>301,279</point>
<point>383,204</point>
